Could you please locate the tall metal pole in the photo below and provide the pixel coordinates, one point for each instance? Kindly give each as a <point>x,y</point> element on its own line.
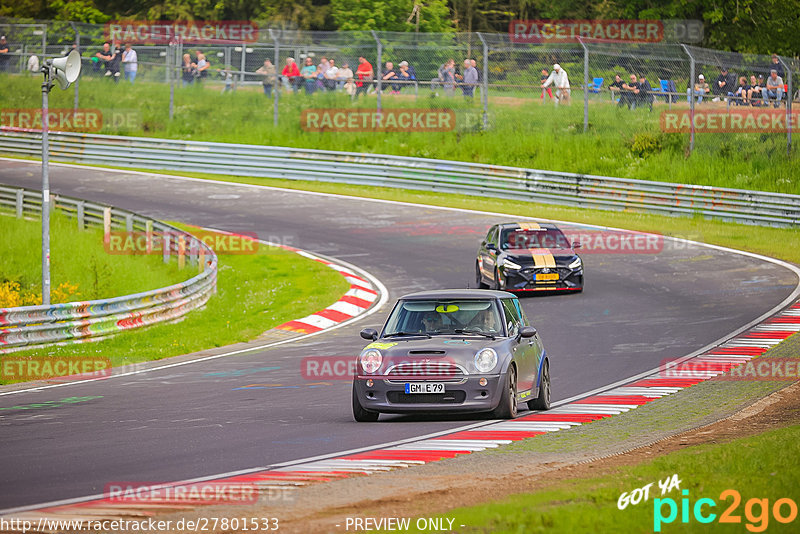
<point>378,67</point>
<point>585,85</point>
<point>485,88</point>
<point>242,64</point>
<point>789,95</point>
<point>45,190</point>
<point>78,48</point>
<point>171,51</point>
<point>690,91</point>
<point>277,83</point>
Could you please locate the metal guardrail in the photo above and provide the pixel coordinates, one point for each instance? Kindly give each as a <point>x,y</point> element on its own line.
<point>75,322</point>
<point>569,189</point>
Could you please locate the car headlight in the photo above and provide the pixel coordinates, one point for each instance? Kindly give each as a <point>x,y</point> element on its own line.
<point>485,360</point>
<point>371,360</point>
<point>576,263</point>
<point>508,264</point>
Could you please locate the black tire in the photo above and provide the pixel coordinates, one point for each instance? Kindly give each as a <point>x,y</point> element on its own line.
<point>496,282</point>
<point>542,401</point>
<point>359,413</point>
<point>479,283</point>
<point>507,409</point>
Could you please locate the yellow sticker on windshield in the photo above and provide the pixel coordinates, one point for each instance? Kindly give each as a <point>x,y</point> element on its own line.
<point>446,308</point>
<point>380,345</point>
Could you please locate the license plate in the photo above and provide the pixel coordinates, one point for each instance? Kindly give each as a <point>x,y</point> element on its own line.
<point>547,276</point>
<point>424,387</point>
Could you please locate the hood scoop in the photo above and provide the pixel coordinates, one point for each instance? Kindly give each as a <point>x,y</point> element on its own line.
<point>423,352</point>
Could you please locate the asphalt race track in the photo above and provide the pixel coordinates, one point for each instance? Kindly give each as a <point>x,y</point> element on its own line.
<point>213,417</point>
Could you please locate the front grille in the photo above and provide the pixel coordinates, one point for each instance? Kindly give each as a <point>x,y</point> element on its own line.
<point>448,397</point>
<point>439,371</point>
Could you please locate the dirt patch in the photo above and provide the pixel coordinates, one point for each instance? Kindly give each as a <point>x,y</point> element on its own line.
<point>434,489</point>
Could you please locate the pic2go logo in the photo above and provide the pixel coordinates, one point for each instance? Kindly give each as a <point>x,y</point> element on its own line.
<point>756,511</point>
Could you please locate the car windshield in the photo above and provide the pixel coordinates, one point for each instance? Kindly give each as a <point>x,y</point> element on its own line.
<point>441,317</point>
<point>541,238</point>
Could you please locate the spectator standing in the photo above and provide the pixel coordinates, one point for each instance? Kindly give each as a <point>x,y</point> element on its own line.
<point>227,76</point>
<point>615,86</point>
<point>344,78</point>
<point>775,63</point>
<point>740,94</point>
<point>188,70</point>
<point>700,90</point>
<point>645,96</point>
<point>470,79</point>
<point>724,83</point>
<point>475,66</point>
<point>309,74</point>
<point>130,62</point>
<point>5,54</point>
<point>773,88</point>
<point>291,74</point>
<point>269,75</point>
<point>330,76</point>
<point>202,66</point>
<point>365,75</point>
<point>447,75</point>
<point>559,79</point>
<point>544,76</point>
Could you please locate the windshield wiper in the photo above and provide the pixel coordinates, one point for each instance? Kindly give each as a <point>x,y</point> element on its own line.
<point>478,332</point>
<point>397,334</point>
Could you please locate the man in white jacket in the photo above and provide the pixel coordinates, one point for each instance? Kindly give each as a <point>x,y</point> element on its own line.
<point>559,79</point>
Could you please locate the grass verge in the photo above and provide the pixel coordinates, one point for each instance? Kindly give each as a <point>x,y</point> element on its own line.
<point>254,293</point>
<point>757,467</point>
<point>621,143</point>
<point>80,267</point>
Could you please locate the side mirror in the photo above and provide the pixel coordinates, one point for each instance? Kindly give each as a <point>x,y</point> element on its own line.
<point>576,244</point>
<point>370,334</point>
<point>527,331</point>
<point>491,247</point>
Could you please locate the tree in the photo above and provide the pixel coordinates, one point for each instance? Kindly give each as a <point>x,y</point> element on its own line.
<point>391,15</point>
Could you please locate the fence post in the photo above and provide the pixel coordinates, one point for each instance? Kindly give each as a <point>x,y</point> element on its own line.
<point>181,251</point>
<point>378,67</point>
<point>148,233</point>
<point>244,55</point>
<point>690,92</point>
<point>585,85</point>
<point>789,96</point>
<point>78,45</point>
<point>165,244</point>
<point>80,215</point>
<point>107,225</point>
<point>171,53</point>
<point>20,202</point>
<point>277,86</point>
<point>485,88</point>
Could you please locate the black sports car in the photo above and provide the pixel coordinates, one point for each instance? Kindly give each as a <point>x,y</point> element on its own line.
<point>452,351</point>
<point>528,256</point>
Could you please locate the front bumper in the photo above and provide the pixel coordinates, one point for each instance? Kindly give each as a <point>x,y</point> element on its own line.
<point>525,280</point>
<point>466,395</point>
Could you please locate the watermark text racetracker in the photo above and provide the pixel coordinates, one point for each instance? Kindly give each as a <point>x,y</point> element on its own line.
<point>730,121</point>
<point>165,32</point>
<point>137,243</point>
<point>42,368</point>
<point>371,120</point>
<point>71,120</point>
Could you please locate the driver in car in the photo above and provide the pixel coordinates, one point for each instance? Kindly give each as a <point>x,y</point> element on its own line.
<point>484,321</point>
<point>431,322</point>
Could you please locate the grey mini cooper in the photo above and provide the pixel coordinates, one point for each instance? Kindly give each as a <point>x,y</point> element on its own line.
<point>452,351</point>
